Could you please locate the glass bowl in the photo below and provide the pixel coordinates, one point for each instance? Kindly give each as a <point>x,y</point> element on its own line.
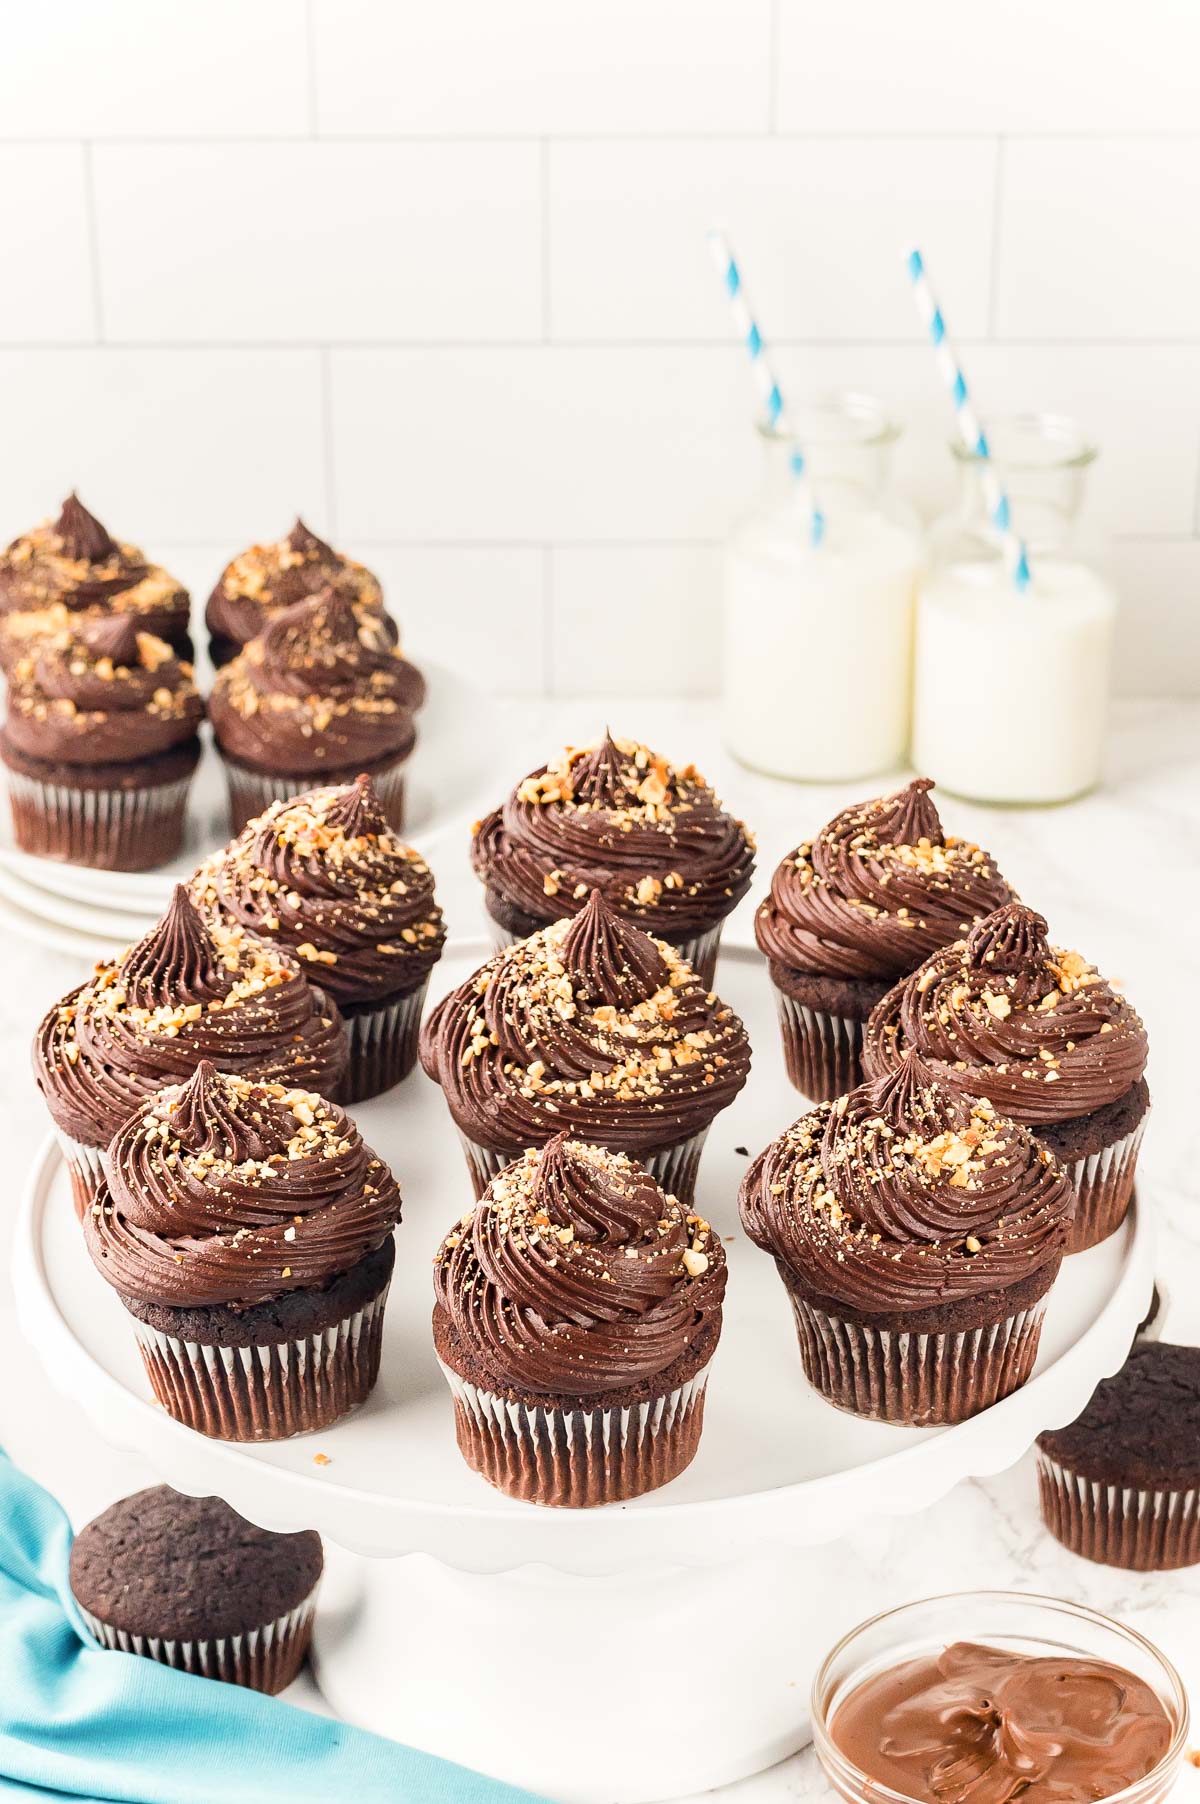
<point>1015,1620</point>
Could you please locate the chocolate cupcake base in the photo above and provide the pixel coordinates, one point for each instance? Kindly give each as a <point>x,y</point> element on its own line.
<point>571,1455</point>
<point>1100,1154</point>
<point>383,1043</point>
<point>86,1167</point>
<point>509,924</point>
<point>111,818</point>
<point>943,1367</point>
<point>673,1167</point>
<point>265,1659</point>
<point>1141,1530</point>
<point>273,1370</point>
<point>821,1021</point>
<point>251,792</point>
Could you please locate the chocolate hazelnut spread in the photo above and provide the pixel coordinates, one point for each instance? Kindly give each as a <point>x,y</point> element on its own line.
<point>986,1725</point>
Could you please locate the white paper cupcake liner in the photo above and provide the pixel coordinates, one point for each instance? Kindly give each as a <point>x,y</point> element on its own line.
<point>263,1659</point>
<point>88,1166</point>
<point>1142,1531</point>
<point>577,1458</point>
<point>673,1167</point>
<point>383,1045</point>
<point>107,829</point>
<point>700,951</point>
<point>1103,1184</point>
<point>915,1379</point>
<point>266,1393</point>
<point>823,1053</point>
<point>251,792</point>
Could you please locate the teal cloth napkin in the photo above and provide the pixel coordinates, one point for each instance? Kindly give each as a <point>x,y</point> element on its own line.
<point>79,1722</point>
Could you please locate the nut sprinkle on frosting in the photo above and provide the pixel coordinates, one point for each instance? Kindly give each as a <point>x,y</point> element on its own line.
<point>906,1194</point>
<point>74,563</point>
<point>575,1274</point>
<point>1004,1014</point>
<point>222,1190</point>
<point>876,891</point>
<point>100,691</point>
<point>325,876</point>
<point>261,581</point>
<point>615,816</point>
<point>590,1025</point>
<point>317,689</point>
<point>187,991</point>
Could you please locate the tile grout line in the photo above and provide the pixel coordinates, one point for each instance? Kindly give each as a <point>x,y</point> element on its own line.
<point>93,230</point>
<point>997,211</point>
<point>326,382</point>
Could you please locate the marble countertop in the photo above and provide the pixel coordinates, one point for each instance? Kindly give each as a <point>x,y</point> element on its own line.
<point>1115,874</point>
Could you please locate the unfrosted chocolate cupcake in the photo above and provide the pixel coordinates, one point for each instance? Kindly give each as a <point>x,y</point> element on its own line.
<point>917,1233</point>
<point>1121,1484</point>
<point>1037,1030</point>
<point>188,1582</point>
<point>100,745</point>
<point>578,1307</point>
<point>262,580</point>
<point>853,910</point>
<point>592,1026</point>
<point>74,563</point>
<point>616,817</point>
<point>185,992</point>
<point>318,697</point>
<point>248,1231</point>
<point>325,877</point>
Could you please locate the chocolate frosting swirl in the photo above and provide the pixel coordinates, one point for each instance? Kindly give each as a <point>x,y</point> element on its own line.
<point>74,562</point>
<point>876,891</point>
<point>615,816</point>
<point>187,991</point>
<point>317,690</point>
<point>575,1274</point>
<point>1004,1014</point>
<point>588,1025</point>
<point>103,691</point>
<point>325,876</point>
<point>222,1190</point>
<point>261,581</point>
<point>905,1194</point>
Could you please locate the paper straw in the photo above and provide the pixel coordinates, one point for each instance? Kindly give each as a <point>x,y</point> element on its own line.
<point>760,367</point>
<point>970,430</point>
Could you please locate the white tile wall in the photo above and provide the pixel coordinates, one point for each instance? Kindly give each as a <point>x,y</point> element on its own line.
<point>436,278</point>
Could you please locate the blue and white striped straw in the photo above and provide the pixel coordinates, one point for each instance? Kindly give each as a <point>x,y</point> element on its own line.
<point>764,375</point>
<point>970,430</point>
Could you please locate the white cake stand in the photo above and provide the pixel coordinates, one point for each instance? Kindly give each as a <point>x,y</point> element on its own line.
<point>630,1653</point>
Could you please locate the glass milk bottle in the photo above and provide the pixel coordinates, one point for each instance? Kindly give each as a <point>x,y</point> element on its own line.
<point>818,638</point>
<point>1011,689</point>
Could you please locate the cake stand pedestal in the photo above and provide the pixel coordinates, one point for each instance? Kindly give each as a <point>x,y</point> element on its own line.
<point>607,1656</point>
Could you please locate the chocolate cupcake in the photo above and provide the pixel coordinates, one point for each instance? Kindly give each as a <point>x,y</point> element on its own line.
<point>853,910</point>
<point>248,1232</point>
<point>593,1027</point>
<point>1038,1031</point>
<point>257,584</point>
<point>616,817</point>
<point>318,697</point>
<point>326,878</point>
<point>72,563</point>
<point>100,745</point>
<point>187,991</point>
<point>1121,1484</point>
<point>578,1307</point>
<point>190,1583</point>
<point>917,1233</point>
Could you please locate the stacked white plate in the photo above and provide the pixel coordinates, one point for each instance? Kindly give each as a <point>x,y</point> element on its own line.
<point>87,913</point>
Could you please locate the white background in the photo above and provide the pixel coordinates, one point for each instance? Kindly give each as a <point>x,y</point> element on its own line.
<point>435,275</point>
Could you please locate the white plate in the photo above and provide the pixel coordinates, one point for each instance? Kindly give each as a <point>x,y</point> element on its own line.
<point>776,1463</point>
<point>452,773</point>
